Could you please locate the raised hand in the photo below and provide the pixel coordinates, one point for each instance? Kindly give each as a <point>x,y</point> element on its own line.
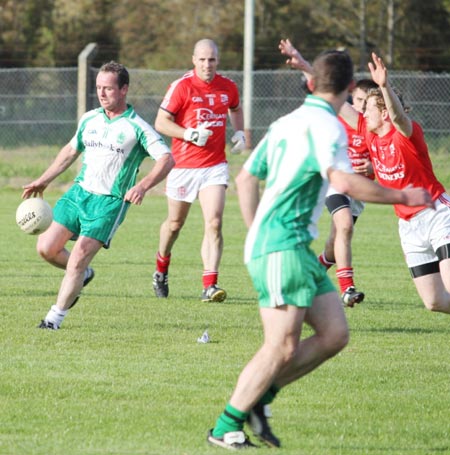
<point>295,59</point>
<point>378,70</point>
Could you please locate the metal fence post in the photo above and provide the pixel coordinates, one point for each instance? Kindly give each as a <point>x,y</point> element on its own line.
<point>84,62</point>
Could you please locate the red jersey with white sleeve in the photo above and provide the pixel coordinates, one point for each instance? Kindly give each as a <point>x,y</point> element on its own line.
<point>399,161</point>
<point>193,102</point>
<point>357,150</point>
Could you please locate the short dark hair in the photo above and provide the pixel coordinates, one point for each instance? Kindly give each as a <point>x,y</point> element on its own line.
<point>332,72</point>
<point>123,77</point>
<point>366,84</point>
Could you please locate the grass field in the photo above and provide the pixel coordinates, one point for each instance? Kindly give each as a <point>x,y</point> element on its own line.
<point>125,375</point>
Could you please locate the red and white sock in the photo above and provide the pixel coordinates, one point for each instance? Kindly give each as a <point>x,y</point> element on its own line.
<point>324,261</point>
<point>209,278</point>
<point>162,263</point>
<point>345,278</point>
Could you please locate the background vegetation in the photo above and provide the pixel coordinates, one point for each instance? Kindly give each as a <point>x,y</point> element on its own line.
<point>410,34</point>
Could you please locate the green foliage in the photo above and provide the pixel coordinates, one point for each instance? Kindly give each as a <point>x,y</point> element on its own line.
<point>161,35</point>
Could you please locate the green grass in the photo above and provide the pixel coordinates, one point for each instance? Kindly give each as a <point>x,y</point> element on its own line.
<point>125,375</point>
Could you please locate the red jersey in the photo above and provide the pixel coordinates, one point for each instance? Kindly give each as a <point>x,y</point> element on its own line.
<point>357,150</point>
<point>399,161</point>
<point>192,102</point>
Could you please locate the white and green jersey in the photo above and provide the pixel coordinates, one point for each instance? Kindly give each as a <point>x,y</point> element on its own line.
<point>293,159</point>
<point>113,150</point>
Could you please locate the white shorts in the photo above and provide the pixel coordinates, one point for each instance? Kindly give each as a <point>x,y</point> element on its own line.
<point>425,232</point>
<point>184,184</point>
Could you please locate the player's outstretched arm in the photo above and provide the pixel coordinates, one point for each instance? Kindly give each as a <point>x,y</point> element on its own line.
<point>397,114</point>
<point>295,59</point>
<point>364,189</point>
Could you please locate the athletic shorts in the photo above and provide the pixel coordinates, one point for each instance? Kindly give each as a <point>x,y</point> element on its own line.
<point>338,201</point>
<point>425,232</point>
<point>91,215</point>
<point>291,277</point>
<point>185,184</point>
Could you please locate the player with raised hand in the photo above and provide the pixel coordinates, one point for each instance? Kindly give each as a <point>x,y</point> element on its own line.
<point>194,113</point>
<point>400,158</point>
<point>343,209</point>
<point>298,156</point>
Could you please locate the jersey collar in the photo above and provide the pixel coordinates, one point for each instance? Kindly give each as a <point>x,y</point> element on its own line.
<point>128,113</point>
<point>312,100</point>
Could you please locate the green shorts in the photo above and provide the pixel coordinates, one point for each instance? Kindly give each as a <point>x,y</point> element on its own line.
<point>91,215</point>
<point>291,277</point>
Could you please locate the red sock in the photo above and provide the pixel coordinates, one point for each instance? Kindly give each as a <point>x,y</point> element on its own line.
<point>162,263</point>
<point>324,261</point>
<point>345,278</point>
<point>209,278</point>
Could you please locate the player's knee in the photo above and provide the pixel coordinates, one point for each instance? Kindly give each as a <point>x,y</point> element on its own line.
<point>214,224</point>
<point>437,305</point>
<point>283,352</point>
<point>175,225</point>
<point>346,230</point>
<point>336,339</point>
<point>45,250</point>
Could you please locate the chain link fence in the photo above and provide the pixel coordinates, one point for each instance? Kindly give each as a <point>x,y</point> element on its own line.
<point>38,106</point>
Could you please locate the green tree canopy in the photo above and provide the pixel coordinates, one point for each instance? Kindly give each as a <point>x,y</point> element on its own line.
<point>160,35</point>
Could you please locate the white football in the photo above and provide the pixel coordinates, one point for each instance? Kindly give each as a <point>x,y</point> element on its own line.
<point>34,215</point>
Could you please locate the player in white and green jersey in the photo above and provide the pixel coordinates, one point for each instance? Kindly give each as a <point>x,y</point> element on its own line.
<point>113,140</point>
<point>299,155</point>
<point>293,159</point>
<point>113,150</point>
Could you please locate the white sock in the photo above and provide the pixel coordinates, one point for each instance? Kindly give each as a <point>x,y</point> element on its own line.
<point>55,315</point>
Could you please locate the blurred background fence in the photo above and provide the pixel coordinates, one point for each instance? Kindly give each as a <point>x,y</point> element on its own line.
<point>38,106</point>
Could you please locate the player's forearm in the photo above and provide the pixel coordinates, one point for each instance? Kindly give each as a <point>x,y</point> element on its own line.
<point>166,125</point>
<point>363,189</point>
<point>63,160</point>
<point>248,192</point>
<point>237,119</point>
<point>397,114</point>
<point>158,173</point>
<point>303,65</point>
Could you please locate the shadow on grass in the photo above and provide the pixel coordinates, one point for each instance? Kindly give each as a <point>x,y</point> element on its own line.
<point>389,450</point>
<point>415,330</point>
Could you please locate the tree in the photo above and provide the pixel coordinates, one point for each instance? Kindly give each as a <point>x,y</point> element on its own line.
<point>161,44</point>
<point>161,35</point>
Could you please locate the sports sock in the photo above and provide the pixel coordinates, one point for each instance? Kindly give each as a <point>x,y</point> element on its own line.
<point>209,278</point>
<point>345,278</point>
<point>231,419</point>
<point>269,395</point>
<point>324,261</point>
<point>55,315</point>
<point>162,263</point>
